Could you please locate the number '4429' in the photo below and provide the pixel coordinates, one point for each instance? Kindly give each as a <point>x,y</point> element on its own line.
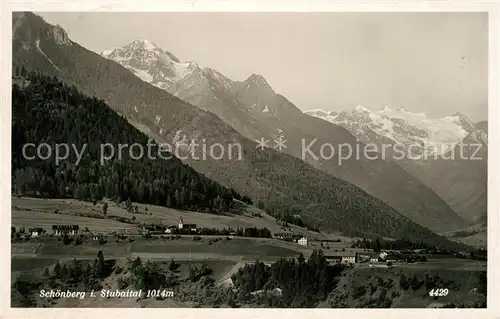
<point>438,292</point>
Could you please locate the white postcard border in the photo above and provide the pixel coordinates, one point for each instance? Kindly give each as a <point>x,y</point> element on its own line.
<point>253,6</point>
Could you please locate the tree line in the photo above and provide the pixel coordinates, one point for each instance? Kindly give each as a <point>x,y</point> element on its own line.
<point>378,244</point>
<point>301,283</point>
<point>239,231</point>
<point>47,111</point>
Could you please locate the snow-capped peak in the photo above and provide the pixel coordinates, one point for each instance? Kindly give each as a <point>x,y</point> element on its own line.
<point>401,127</point>
<point>477,136</point>
<point>151,63</point>
<point>194,65</point>
<point>140,50</point>
<point>320,113</point>
<point>361,108</point>
<point>106,53</point>
<point>325,115</point>
<point>147,44</point>
<point>463,120</point>
<point>142,44</point>
<point>257,80</point>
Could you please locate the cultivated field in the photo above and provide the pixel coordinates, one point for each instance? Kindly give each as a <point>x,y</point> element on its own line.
<point>33,212</point>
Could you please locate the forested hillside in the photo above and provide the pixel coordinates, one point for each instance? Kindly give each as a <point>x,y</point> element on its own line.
<point>46,111</point>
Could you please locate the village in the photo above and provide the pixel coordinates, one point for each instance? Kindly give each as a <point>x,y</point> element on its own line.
<point>155,232</point>
<point>337,255</point>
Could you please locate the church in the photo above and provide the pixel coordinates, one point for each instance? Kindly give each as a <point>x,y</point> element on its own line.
<point>189,227</point>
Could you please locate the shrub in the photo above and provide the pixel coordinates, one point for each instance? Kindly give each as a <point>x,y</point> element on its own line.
<point>66,240</point>
<point>172,265</point>
<point>359,291</point>
<point>78,241</point>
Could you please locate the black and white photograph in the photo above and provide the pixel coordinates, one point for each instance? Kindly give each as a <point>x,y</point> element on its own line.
<point>248,159</point>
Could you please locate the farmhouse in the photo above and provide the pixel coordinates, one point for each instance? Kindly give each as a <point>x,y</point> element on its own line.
<point>368,256</point>
<point>170,229</point>
<point>383,255</point>
<point>420,251</point>
<point>349,257</point>
<point>152,229</point>
<point>343,257</point>
<point>191,227</point>
<point>333,259</point>
<point>302,241</point>
<point>394,258</point>
<point>284,236</point>
<point>35,232</point>
<point>65,229</point>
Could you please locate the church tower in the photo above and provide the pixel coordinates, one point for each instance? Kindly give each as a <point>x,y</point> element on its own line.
<point>181,224</point>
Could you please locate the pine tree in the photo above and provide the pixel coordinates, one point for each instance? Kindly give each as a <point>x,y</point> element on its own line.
<point>99,264</point>
<point>105,209</point>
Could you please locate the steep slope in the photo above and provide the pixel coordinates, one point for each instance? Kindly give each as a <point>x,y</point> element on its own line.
<point>200,86</point>
<point>254,109</point>
<point>460,177</point>
<point>46,111</point>
<point>383,179</point>
<point>475,235</point>
<point>435,145</point>
<point>281,181</point>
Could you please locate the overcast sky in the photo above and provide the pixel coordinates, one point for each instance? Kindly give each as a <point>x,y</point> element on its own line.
<point>427,62</point>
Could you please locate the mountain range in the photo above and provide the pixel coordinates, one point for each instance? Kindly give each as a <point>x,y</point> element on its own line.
<point>256,111</point>
<point>436,145</point>
<point>283,183</point>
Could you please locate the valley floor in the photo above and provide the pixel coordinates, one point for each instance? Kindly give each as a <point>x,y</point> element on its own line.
<point>30,258</point>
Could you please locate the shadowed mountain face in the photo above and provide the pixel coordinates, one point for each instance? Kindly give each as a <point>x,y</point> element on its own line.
<point>281,181</point>
<point>461,181</point>
<point>256,111</point>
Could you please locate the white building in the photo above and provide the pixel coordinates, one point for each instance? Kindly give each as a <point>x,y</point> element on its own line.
<point>349,258</point>
<point>170,229</point>
<point>344,257</point>
<point>302,241</point>
<point>383,255</point>
<point>181,223</point>
<point>35,232</point>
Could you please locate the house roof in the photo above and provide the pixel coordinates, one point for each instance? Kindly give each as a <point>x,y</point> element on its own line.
<point>394,257</point>
<point>284,234</point>
<point>333,257</point>
<point>342,254</point>
<point>65,227</point>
